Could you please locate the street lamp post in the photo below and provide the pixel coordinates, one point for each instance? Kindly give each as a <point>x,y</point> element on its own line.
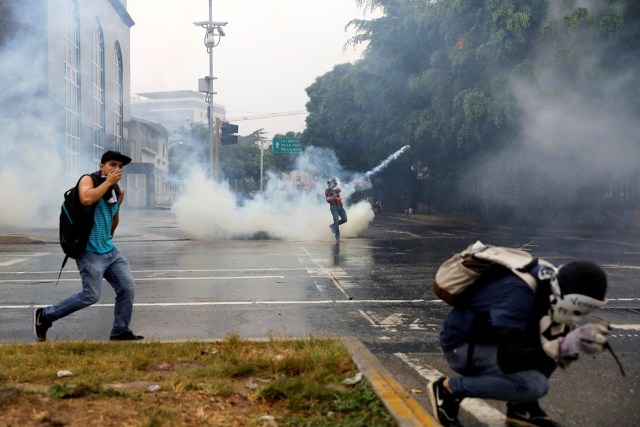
<point>214,33</point>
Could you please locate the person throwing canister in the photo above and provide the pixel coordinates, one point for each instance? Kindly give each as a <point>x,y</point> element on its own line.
<point>332,195</point>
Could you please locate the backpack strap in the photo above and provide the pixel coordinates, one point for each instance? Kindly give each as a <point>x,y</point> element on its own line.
<point>64,262</point>
<point>526,277</point>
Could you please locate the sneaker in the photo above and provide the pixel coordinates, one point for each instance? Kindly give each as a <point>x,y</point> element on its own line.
<point>445,405</point>
<point>40,325</point>
<point>528,415</point>
<point>126,336</point>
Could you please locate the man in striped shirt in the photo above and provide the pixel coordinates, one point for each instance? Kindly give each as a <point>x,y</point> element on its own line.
<point>101,258</point>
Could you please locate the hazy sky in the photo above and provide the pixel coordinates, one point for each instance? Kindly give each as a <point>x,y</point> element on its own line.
<point>272,51</point>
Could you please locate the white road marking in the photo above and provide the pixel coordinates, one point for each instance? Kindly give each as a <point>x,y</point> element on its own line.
<point>221,270</point>
<point>481,410</point>
<point>12,261</point>
<point>155,279</point>
<point>404,232</point>
<point>627,327</point>
<point>395,319</point>
<point>416,325</point>
<point>22,257</point>
<point>327,272</point>
<point>34,254</point>
<point>621,267</point>
<point>223,303</point>
<point>369,318</point>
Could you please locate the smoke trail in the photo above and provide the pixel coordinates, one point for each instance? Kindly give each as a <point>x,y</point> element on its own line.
<point>386,162</point>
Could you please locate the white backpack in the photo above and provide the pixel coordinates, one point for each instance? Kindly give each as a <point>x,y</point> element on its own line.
<point>456,274</point>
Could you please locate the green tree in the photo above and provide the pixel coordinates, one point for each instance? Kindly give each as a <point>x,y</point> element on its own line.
<point>440,76</point>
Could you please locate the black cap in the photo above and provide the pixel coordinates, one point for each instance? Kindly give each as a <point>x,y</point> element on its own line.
<point>114,155</point>
<point>583,277</point>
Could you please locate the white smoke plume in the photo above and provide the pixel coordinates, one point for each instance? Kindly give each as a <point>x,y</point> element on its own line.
<point>210,211</point>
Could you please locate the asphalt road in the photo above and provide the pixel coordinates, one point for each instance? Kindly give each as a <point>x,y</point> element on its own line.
<point>375,287</point>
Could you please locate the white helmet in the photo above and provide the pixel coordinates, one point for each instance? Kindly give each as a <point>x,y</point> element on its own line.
<point>577,289</point>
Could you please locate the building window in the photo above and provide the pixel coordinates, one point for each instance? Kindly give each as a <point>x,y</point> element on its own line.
<point>72,85</point>
<point>98,93</point>
<point>118,96</point>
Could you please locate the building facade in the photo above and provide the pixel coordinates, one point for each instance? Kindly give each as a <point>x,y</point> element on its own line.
<point>148,181</point>
<point>68,76</point>
<point>174,109</point>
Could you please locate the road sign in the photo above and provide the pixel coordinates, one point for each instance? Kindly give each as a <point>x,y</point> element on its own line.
<point>286,145</point>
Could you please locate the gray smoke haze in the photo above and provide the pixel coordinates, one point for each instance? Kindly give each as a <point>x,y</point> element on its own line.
<point>210,211</point>
<point>31,164</point>
<point>33,160</point>
<point>578,130</point>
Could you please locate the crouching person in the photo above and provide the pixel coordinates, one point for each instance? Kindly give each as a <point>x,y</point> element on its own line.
<point>506,340</point>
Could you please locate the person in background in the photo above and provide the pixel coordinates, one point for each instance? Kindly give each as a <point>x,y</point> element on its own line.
<point>101,259</point>
<point>377,206</point>
<point>332,195</point>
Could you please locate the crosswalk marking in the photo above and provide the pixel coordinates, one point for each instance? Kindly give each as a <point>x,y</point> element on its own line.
<point>482,411</point>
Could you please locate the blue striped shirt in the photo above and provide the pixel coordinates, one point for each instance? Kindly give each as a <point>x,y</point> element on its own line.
<point>100,238</point>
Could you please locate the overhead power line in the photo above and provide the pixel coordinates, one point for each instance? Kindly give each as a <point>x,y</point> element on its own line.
<point>266,116</point>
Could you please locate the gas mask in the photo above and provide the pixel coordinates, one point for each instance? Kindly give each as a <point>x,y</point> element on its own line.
<point>570,308</point>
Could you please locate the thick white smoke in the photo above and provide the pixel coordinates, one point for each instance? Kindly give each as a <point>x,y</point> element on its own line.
<point>31,169</point>
<point>209,210</point>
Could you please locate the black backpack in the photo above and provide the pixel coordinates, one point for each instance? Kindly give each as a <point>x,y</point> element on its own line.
<point>76,222</point>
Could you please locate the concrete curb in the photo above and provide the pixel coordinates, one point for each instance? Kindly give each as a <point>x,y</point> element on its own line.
<point>404,408</point>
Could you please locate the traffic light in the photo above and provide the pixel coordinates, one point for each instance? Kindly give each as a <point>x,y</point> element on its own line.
<point>227,134</point>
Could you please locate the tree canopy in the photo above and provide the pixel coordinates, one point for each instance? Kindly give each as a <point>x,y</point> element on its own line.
<point>500,98</point>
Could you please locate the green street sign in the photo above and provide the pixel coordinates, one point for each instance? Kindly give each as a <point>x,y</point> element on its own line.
<point>286,145</point>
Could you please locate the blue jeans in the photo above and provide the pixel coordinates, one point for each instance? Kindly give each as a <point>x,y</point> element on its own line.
<point>339,217</point>
<point>489,382</point>
<point>93,267</point>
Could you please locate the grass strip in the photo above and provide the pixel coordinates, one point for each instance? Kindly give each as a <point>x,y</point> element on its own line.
<point>230,382</point>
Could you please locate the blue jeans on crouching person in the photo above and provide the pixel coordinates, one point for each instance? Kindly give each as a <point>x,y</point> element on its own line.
<point>488,381</point>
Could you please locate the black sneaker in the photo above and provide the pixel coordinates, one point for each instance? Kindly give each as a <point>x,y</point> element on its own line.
<point>40,325</point>
<point>528,415</point>
<point>445,405</point>
<point>126,336</point>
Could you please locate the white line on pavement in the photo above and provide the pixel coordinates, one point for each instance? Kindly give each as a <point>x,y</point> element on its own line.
<point>11,262</point>
<point>482,411</point>
<point>223,303</point>
<point>156,279</point>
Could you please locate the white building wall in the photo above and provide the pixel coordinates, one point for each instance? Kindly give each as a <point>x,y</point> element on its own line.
<point>115,29</point>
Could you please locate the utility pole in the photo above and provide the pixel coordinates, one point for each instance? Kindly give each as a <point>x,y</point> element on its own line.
<point>214,33</point>
<point>218,124</point>
<point>261,161</point>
